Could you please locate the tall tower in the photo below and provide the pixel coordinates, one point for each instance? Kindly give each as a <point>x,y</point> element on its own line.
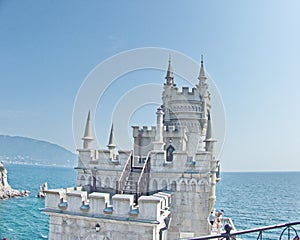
<point>187,166</point>
<point>187,110</point>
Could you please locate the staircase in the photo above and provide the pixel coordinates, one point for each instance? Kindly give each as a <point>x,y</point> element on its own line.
<point>134,179</point>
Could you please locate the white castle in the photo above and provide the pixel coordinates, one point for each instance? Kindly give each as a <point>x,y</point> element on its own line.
<point>163,189</point>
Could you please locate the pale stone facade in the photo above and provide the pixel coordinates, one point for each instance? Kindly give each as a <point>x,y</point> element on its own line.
<point>75,215</point>
<point>172,163</point>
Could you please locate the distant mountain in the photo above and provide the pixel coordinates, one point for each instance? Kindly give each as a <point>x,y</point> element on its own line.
<point>32,151</point>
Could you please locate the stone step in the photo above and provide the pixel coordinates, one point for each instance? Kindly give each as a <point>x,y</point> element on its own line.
<point>129,187</point>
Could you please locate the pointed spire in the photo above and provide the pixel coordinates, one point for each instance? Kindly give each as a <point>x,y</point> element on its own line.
<point>170,76</point>
<point>88,136</point>
<point>209,138</point>
<point>202,75</point>
<point>111,142</point>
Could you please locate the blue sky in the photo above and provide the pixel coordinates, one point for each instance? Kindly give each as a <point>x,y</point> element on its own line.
<point>251,50</point>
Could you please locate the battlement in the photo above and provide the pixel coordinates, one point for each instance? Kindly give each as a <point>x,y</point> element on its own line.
<point>186,90</point>
<point>150,132</point>
<point>102,205</point>
<point>185,93</point>
<point>90,158</point>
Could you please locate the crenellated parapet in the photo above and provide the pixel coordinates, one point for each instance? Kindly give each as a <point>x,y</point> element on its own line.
<point>145,132</point>
<point>102,205</point>
<point>185,92</point>
<point>200,163</point>
<point>90,158</point>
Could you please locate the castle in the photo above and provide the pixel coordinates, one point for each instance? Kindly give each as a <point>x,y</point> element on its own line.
<point>163,189</point>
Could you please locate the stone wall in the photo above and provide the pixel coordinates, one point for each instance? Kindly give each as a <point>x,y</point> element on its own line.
<point>74,214</point>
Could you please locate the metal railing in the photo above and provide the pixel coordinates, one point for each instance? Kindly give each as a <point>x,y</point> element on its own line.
<point>122,180</point>
<point>143,182</point>
<point>288,232</point>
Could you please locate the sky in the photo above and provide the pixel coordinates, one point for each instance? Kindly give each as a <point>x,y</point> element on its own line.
<point>251,51</point>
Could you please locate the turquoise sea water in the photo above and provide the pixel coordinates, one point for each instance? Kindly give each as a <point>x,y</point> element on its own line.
<point>254,200</point>
<point>20,218</point>
<point>251,199</point>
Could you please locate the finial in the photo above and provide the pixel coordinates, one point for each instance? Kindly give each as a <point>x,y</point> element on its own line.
<point>88,136</point>
<point>111,141</point>
<point>169,77</point>
<point>88,126</point>
<point>202,72</point>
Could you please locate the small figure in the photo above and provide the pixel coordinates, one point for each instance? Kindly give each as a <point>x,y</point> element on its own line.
<point>212,218</point>
<point>220,213</point>
<point>219,225</point>
<point>296,237</point>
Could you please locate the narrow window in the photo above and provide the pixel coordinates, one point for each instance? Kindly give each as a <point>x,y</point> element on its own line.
<point>170,151</point>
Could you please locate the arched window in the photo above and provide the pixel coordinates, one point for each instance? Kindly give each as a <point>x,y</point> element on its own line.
<point>154,185</point>
<point>183,186</point>
<point>173,186</point>
<point>99,181</point>
<point>107,182</point>
<point>164,185</point>
<point>170,151</point>
<point>193,185</point>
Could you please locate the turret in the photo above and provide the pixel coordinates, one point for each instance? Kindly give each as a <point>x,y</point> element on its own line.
<point>88,136</point>
<point>159,143</point>
<point>111,143</point>
<point>209,146</point>
<point>170,76</point>
<point>202,80</point>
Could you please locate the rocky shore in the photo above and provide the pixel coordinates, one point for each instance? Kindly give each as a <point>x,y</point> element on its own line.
<point>5,189</point>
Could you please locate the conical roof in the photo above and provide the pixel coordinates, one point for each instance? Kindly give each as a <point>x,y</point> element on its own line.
<point>202,75</point>
<point>88,128</point>
<point>111,142</point>
<point>169,76</point>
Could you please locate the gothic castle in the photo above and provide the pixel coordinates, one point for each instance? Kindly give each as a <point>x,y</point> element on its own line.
<point>163,189</point>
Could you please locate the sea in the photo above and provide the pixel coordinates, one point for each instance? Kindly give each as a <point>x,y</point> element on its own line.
<point>250,199</point>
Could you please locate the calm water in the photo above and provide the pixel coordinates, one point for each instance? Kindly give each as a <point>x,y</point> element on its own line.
<point>253,200</point>
<point>250,199</point>
<point>20,218</point>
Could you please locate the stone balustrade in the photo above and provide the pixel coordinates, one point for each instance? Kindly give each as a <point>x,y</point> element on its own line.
<point>75,202</point>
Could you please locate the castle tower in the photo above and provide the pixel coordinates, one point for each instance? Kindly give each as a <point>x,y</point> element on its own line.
<point>187,109</point>
<point>111,143</point>
<point>187,166</point>
<point>88,136</point>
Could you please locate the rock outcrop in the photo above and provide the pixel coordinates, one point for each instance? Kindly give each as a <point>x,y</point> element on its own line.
<point>5,189</point>
<point>42,189</point>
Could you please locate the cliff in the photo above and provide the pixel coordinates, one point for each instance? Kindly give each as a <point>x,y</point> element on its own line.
<point>5,189</point>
